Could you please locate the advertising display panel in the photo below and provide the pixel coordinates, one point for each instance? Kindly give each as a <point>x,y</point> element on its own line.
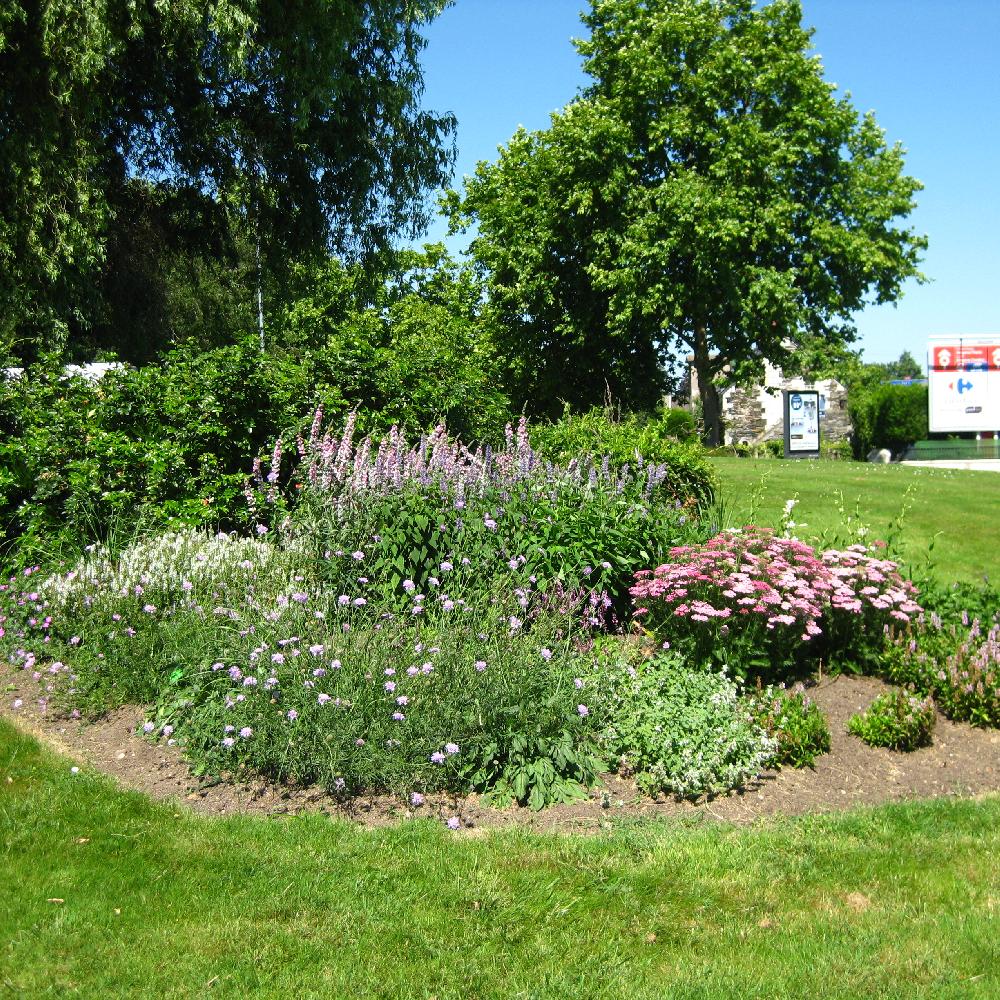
<point>963,383</point>
<point>801,423</point>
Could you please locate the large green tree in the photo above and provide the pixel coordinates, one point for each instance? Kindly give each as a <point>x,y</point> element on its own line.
<point>297,123</point>
<point>707,195</point>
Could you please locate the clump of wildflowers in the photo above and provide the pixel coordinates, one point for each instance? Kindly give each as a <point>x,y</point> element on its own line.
<point>758,601</point>
<point>959,664</point>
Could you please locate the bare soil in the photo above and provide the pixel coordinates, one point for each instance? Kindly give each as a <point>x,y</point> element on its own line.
<point>962,761</point>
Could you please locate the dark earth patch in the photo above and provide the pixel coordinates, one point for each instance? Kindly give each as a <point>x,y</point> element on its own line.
<point>962,761</point>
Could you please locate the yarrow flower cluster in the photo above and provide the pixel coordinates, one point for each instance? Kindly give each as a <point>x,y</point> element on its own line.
<point>752,582</point>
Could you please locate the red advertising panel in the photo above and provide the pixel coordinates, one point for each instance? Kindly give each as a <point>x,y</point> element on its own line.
<point>979,356</point>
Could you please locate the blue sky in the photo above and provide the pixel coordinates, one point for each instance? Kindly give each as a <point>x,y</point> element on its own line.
<point>929,71</point>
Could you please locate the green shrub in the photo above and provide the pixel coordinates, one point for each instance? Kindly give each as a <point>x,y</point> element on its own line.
<point>680,729</point>
<point>661,438</point>
<point>897,720</point>
<point>888,416</point>
<point>795,723</point>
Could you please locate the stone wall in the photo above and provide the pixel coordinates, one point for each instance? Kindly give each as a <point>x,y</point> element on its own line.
<point>753,414</point>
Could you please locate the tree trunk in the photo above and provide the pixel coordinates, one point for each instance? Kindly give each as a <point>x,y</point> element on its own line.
<point>711,402</point>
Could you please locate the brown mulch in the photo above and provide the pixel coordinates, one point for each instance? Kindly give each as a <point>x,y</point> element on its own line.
<point>962,761</point>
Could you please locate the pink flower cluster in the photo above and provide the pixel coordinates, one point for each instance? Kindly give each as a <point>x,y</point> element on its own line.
<point>751,577</point>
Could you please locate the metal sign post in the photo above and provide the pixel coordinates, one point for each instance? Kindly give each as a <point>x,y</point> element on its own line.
<point>801,407</point>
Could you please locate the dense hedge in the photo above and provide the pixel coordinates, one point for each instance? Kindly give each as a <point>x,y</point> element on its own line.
<point>174,440</point>
<point>665,437</point>
<point>889,416</point>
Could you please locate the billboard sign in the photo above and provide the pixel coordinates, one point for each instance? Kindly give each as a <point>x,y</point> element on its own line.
<point>801,423</point>
<point>963,379</point>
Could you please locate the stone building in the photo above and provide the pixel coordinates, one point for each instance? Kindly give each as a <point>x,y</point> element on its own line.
<point>753,414</point>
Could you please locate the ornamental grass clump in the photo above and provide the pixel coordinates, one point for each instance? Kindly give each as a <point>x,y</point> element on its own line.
<point>898,720</point>
<point>680,729</point>
<point>762,604</point>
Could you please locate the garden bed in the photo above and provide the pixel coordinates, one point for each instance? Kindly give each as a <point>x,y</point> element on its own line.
<point>963,760</point>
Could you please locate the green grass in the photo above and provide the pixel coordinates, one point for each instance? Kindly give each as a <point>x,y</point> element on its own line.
<point>952,526</point>
<point>162,903</point>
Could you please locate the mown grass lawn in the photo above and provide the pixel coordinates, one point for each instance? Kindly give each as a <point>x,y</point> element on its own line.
<point>951,525</point>
<point>901,901</point>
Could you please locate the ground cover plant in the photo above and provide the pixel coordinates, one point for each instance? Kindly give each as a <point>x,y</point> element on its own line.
<point>108,894</point>
<point>898,720</point>
<point>681,729</point>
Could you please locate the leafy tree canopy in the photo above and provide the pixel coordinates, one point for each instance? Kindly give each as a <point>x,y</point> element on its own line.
<point>708,194</point>
<point>301,122</point>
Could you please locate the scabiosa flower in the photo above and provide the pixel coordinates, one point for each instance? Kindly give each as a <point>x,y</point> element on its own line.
<point>398,716</point>
<point>451,748</point>
<point>546,654</point>
<point>18,702</point>
<point>409,586</point>
<point>437,757</point>
<point>446,567</point>
<point>317,649</point>
<point>358,556</point>
<point>339,784</point>
<point>578,682</point>
<point>453,823</point>
<point>480,665</point>
<point>319,672</point>
<point>582,710</point>
<point>168,730</point>
<point>246,732</point>
<point>148,727</point>
<point>335,664</point>
<point>343,600</point>
<point>390,686</point>
<point>402,700</point>
<point>300,598</point>
<point>150,609</point>
<point>412,671</point>
<point>228,741</point>
<point>291,715</point>
<point>261,529</point>
<point>416,800</point>
<point>277,657</point>
<point>230,729</point>
<point>322,699</point>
